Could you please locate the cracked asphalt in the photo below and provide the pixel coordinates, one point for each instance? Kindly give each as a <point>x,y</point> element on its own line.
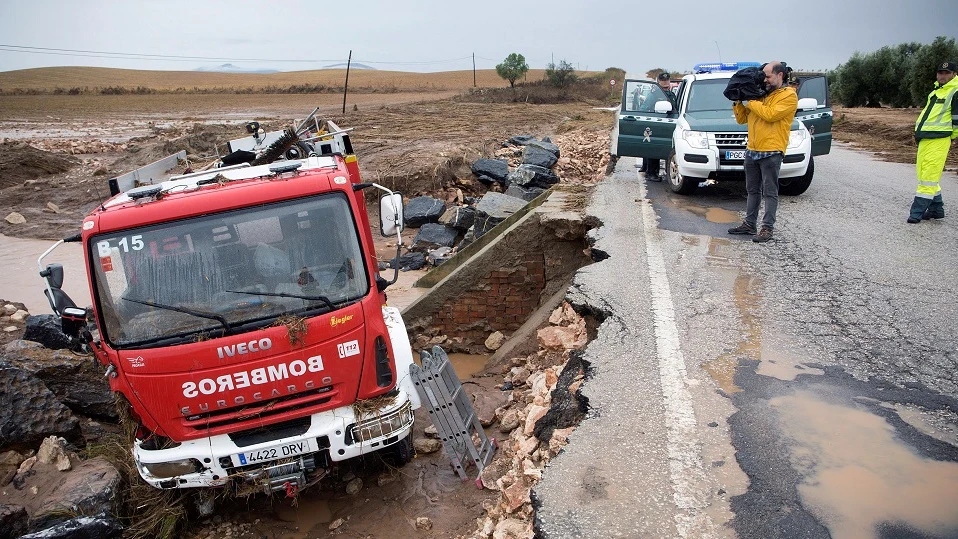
<point>807,387</point>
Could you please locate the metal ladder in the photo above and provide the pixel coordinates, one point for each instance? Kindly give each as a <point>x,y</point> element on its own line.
<point>451,412</point>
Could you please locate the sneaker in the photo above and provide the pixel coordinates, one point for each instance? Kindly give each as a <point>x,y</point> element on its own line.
<point>763,235</point>
<point>743,228</point>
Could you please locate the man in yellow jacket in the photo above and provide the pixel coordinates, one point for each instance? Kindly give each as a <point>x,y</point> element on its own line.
<point>769,124</point>
<point>936,127</point>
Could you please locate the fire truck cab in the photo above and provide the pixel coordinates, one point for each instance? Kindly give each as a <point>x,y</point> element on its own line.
<point>241,315</point>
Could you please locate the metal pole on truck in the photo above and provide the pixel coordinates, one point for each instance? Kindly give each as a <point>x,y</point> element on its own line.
<point>346,85</point>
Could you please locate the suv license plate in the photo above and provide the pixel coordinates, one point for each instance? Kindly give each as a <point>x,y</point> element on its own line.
<point>737,154</point>
<point>291,449</point>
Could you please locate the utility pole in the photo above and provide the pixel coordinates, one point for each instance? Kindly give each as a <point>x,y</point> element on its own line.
<point>473,70</point>
<point>346,85</point>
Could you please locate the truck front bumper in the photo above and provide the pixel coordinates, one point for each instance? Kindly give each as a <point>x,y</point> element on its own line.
<point>705,163</point>
<point>326,437</point>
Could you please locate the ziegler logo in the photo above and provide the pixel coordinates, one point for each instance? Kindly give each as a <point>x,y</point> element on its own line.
<point>231,350</point>
<point>333,322</point>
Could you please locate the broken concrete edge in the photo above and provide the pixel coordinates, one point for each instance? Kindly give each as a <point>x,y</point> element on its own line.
<point>440,272</point>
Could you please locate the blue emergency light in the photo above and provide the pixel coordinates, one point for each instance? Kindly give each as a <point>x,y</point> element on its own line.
<point>723,66</point>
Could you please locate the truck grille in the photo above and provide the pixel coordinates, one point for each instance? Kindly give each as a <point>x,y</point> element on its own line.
<point>731,141</point>
<point>260,410</point>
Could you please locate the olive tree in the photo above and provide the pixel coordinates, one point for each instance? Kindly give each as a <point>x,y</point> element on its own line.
<point>512,68</point>
<point>562,75</point>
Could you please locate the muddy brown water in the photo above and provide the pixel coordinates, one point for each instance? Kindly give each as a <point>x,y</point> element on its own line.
<point>21,276</point>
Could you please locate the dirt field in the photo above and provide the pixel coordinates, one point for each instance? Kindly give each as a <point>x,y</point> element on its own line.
<point>886,133</point>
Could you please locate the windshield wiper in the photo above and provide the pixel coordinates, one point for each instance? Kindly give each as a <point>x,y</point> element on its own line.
<point>200,314</point>
<point>324,299</point>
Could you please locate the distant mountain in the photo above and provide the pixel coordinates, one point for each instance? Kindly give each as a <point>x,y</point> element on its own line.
<point>230,68</point>
<point>353,65</point>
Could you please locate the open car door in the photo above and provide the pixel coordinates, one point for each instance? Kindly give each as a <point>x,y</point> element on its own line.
<point>818,121</point>
<point>645,123</point>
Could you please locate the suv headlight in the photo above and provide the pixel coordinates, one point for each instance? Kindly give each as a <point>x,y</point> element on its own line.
<point>696,139</point>
<point>795,138</point>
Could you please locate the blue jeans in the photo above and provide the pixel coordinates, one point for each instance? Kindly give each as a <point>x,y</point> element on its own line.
<point>761,183</point>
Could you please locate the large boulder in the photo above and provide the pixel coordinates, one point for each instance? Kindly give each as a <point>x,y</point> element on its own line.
<point>525,193</point>
<point>459,217</point>
<point>101,526</point>
<point>46,330</point>
<point>493,209</point>
<point>422,210</point>
<point>91,488</point>
<point>75,380</point>
<point>433,235</point>
<point>521,140</point>
<point>409,261</point>
<point>545,145</point>
<point>539,156</point>
<point>533,176</point>
<point>496,169</point>
<point>13,521</point>
<point>29,411</point>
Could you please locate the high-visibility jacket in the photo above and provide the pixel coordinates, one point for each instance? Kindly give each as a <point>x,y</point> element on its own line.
<point>939,118</point>
<point>769,120</point>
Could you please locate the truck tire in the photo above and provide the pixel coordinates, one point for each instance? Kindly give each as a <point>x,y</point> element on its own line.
<point>401,452</point>
<point>795,186</point>
<point>678,183</point>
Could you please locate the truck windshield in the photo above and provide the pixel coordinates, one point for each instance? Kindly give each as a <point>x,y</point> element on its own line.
<point>183,279</point>
<point>707,95</point>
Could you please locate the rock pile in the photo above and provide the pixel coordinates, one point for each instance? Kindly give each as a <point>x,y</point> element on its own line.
<point>537,418</point>
<point>520,171</point>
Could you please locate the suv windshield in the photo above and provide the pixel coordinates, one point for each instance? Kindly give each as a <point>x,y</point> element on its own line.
<point>219,271</point>
<point>708,95</point>
<point>641,96</point>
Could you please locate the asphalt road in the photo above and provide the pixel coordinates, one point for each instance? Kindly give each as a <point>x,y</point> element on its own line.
<point>807,387</point>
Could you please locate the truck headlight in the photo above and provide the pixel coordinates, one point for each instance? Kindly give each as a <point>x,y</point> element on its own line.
<point>795,138</point>
<point>696,139</point>
<point>173,468</point>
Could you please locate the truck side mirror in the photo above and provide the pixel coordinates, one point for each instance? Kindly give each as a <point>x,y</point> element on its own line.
<point>390,214</point>
<point>54,275</point>
<point>663,107</point>
<point>807,103</point>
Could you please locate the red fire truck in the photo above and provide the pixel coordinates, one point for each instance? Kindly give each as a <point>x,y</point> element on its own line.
<point>241,316</point>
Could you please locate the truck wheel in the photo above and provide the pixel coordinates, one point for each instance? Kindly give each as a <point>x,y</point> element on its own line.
<point>678,183</point>
<point>798,185</point>
<point>402,451</point>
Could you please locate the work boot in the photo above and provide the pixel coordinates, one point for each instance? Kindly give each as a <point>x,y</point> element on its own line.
<point>936,210</point>
<point>918,208</point>
<point>763,235</point>
<point>743,228</point>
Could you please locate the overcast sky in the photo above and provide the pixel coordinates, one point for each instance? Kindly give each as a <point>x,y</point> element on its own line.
<point>442,35</point>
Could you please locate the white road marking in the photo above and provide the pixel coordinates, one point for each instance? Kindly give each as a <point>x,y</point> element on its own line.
<point>689,482</point>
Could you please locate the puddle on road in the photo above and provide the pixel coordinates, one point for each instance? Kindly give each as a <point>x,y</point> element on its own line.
<point>859,476</point>
<point>746,295</point>
<point>712,214</point>
<point>465,365</point>
<point>924,423</point>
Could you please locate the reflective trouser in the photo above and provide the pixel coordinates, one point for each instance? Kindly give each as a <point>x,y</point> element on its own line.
<point>932,153</point>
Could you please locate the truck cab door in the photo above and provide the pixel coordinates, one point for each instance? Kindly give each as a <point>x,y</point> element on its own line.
<point>641,131</point>
<point>818,121</point>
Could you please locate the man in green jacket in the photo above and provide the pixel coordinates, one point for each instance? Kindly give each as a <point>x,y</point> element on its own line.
<point>935,129</point>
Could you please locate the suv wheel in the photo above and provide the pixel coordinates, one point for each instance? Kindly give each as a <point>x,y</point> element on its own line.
<point>798,185</point>
<point>678,183</point>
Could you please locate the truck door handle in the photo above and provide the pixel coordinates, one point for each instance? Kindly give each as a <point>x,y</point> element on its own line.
<point>629,119</point>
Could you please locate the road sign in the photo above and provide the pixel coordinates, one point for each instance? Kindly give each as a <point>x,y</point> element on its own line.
<point>612,82</point>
